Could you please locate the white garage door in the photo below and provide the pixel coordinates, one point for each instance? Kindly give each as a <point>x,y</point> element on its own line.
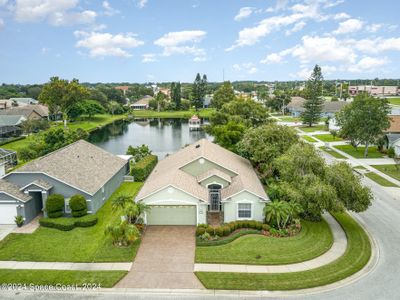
<point>172,215</point>
<point>7,213</point>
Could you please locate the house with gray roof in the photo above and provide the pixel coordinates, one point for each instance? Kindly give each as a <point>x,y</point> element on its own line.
<point>202,183</point>
<point>24,101</point>
<point>329,109</point>
<point>10,125</point>
<point>142,103</point>
<point>79,168</point>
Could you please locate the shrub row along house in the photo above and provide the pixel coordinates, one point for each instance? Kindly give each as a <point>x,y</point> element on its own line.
<point>202,183</point>
<point>79,168</point>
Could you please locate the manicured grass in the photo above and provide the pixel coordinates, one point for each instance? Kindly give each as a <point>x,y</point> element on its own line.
<point>78,245</point>
<point>359,153</point>
<point>106,279</point>
<point>359,168</point>
<point>86,123</point>
<point>319,127</point>
<point>354,259</point>
<point>203,113</point>
<point>380,180</point>
<point>314,239</point>
<point>289,119</point>
<point>390,170</point>
<point>228,239</point>
<point>333,153</point>
<point>328,138</point>
<point>394,101</point>
<point>309,138</point>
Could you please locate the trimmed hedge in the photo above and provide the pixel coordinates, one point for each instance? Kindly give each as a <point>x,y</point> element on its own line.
<point>226,240</point>
<point>67,224</point>
<point>55,205</point>
<point>142,169</point>
<point>78,205</point>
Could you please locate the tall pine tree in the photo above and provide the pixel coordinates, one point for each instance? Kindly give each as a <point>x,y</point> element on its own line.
<point>314,101</point>
<point>176,94</point>
<point>198,91</point>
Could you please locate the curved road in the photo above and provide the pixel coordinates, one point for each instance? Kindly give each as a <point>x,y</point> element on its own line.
<point>382,220</point>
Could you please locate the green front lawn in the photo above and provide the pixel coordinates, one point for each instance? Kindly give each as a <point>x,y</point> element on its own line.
<point>78,245</point>
<point>333,153</point>
<point>390,170</point>
<point>308,138</point>
<point>313,240</point>
<point>394,101</point>
<point>289,119</point>
<point>328,138</point>
<point>203,113</point>
<point>359,152</point>
<point>380,180</point>
<point>106,279</point>
<point>354,259</point>
<point>319,127</point>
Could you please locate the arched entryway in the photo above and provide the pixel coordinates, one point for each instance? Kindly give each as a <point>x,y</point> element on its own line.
<point>214,191</point>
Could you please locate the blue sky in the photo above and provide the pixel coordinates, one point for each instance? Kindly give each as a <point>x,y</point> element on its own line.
<point>158,40</point>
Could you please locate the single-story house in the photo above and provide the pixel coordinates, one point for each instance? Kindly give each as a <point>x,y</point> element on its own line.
<point>30,112</point>
<point>200,183</point>
<point>393,134</point>
<point>296,107</point>
<point>10,125</point>
<point>79,168</point>
<point>24,101</point>
<point>142,103</point>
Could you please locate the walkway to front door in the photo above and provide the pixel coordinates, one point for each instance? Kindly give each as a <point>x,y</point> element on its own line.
<point>165,260</point>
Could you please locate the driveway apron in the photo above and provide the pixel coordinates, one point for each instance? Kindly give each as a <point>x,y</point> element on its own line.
<point>165,260</point>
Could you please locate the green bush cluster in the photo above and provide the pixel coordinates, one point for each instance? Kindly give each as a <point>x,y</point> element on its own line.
<point>78,206</point>
<point>55,206</point>
<point>142,169</point>
<point>227,229</point>
<point>67,224</point>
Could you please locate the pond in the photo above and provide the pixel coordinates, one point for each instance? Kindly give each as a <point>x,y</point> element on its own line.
<point>163,136</point>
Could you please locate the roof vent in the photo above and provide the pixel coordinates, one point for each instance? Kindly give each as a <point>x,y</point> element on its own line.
<point>198,146</point>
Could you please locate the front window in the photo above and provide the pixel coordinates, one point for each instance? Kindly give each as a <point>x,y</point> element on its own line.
<point>244,210</point>
<point>67,208</point>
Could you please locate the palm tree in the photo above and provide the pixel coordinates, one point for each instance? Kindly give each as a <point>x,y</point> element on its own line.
<point>276,212</point>
<point>120,202</point>
<point>294,209</point>
<point>122,234</point>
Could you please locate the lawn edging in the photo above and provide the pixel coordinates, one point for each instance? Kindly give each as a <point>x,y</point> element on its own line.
<point>226,240</point>
<point>328,277</point>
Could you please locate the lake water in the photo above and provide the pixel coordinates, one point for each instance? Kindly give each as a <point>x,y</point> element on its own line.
<point>163,136</point>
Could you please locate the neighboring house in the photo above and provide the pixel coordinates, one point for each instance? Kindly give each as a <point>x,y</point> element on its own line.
<point>393,134</point>
<point>24,101</point>
<point>207,101</point>
<point>10,125</point>
<point>79,168</point>
<point>8,159</point>
<point>142,103</point>
<point>200,183</point>
<point>123,88</point>
<point>374,90</point>
<point>30,112</point>
<point>296,107</point>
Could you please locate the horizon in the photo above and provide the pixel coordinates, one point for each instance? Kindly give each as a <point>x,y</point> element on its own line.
<point>137,42</point>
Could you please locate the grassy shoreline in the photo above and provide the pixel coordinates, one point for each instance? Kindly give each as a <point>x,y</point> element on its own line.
<point>203,113</point>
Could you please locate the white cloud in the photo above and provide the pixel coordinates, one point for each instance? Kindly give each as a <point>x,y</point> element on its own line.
<point>249,68</point>
<point>3,2</point>
<point>108,10</point>
<point>141,3</point>
<point>349,26</point>
<point>44,50</point>
<point>182,42</point>
<point>149,57</point>
<point>368,64</point>
<point>329,4</point>
<point>374,27</point>
<point>273,58</point>
<point>244,13</point>
<point>280,5</point>
<point>57,13</point>
<point>106,44</point>
<point>327,70</point>
<point>341,16</point>
<point>297,27</point>
<point>1,23</point>
<point>374,46</point>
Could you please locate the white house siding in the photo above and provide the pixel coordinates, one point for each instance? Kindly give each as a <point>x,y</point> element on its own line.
<point>214,179</point>
<point>231,207</point>
<point>173,196</point>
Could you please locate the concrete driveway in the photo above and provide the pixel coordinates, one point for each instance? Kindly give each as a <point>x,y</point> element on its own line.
<point>5,230</point>
<point>165,260</point>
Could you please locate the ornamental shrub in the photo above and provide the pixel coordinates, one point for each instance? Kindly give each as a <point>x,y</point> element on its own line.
<point>259,225</point>
<point>226,230</point>
<point>210,230</point>
<point>55,206</point>
<point>85,221</point>
<point>265,227</point>
<point>200,231</point>
<point>232,226</point>
<point>219,231</point>
<point>251,224</point>
<point>142,169</point>
<point>64,224</point>
<point>78,205</point>
<point>203,225</point>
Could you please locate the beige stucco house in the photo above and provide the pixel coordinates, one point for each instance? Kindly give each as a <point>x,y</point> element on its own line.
<point>202,182</point>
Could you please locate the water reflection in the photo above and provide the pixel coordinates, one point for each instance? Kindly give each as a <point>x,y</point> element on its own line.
<point>163,136</point>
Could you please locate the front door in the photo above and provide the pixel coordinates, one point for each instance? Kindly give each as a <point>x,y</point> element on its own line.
<point>215,197</point>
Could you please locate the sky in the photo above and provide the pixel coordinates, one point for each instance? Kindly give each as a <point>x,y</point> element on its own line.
<point>159,40</point>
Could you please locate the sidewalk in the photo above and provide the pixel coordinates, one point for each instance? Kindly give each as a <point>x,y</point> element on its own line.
<point>30,265</point>
<point>337,250</point>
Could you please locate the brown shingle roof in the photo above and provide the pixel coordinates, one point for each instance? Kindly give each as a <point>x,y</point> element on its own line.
<point>13,190</point>
<point>213,172</point>
<point>81,165</point>
<point>168,172</point>
<point>394,124</point>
